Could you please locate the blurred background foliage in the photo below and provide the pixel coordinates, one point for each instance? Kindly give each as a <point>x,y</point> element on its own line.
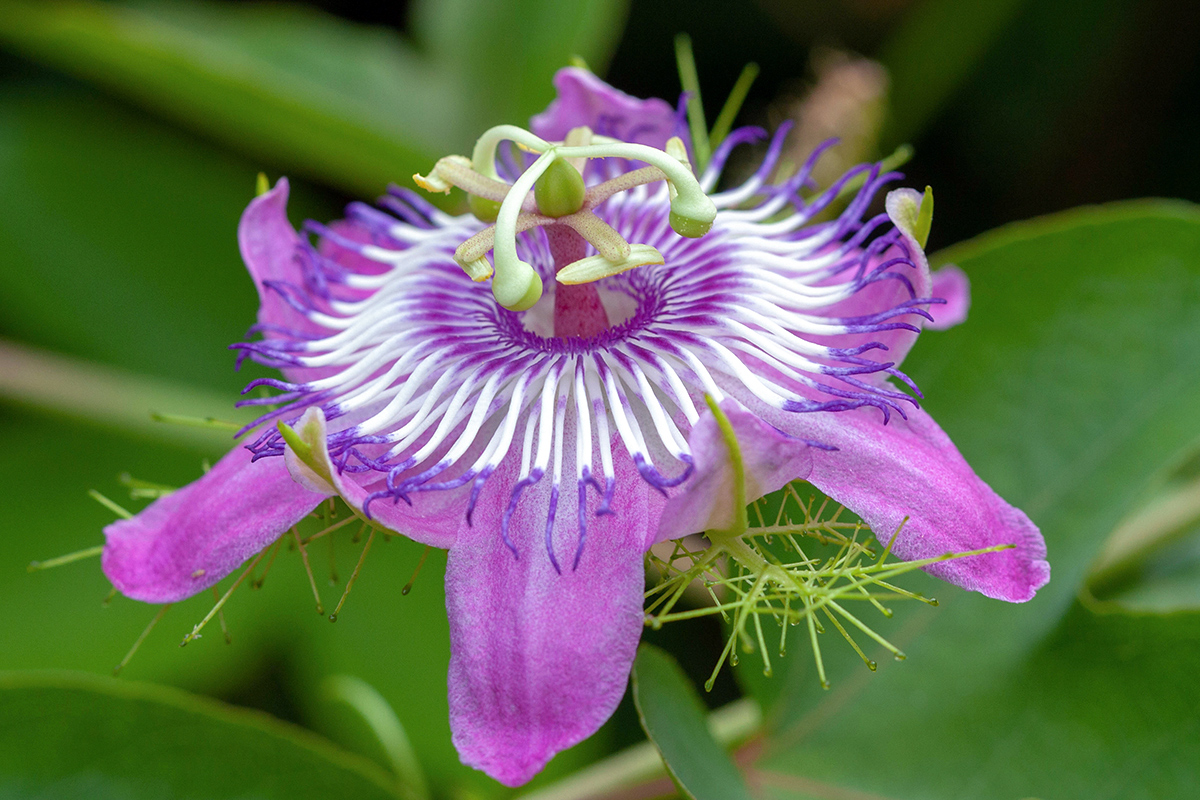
<point>130,137</point>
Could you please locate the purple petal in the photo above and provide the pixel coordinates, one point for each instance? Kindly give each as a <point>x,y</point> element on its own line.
<point>268,244</point>
<point>584,99</point>
<point>538,659</point>
<point>434,518</point>
<point>952,285</point>
<point>770,459</point>
<point>910,468</point>
<point>192,538</point>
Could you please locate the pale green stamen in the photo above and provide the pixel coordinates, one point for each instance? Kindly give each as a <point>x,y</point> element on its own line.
<point>689,201</point>
<point>561,197</point>
<point>594,268</point>
<point>483,157</point>
<point>516,285</point>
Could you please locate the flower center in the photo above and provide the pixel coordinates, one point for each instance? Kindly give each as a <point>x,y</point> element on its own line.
<point>564,206</point>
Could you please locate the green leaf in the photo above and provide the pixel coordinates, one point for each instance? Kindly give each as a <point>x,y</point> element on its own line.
<point>1072,389</point>
<point>675,721</point>
<point>68,735</point>
<point>121,233</point>
<point>306,92</point>
<point>293,87</point>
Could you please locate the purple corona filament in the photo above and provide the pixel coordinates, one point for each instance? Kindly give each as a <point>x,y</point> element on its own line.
<point>429,373</point>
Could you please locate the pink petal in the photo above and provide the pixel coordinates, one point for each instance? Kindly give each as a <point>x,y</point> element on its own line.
<point>910,468</point>
<point>770,459</point>
<point>952,285</point>
<point>539,660</point>
<point>192,538</point>
<point>269,247</point>
<point>434,518</point>
<point>584,99</point>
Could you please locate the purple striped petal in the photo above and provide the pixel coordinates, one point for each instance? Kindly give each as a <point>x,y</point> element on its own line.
<point>270,247</point>
<point>192,538</point>
<point>910,468</point>
<point>539,659</point>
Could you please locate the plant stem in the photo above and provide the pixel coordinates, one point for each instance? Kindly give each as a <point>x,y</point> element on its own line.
<point>641,764</point>
<point>113,398</point>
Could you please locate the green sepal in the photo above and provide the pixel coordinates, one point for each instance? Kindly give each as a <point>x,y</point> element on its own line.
<point>924,218</point>
<point>304,452</point>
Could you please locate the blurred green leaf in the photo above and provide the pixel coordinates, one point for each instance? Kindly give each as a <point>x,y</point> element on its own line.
<point>386,729</point>
<point>503,53</point>
<point>118,236</point>
<point>930,56</point>
<point>1151,559</point>
<point>67,735</point>
<point>291,86</point>
<point>304,91</point>
<point>1072,389</point>
<point>676,722</point>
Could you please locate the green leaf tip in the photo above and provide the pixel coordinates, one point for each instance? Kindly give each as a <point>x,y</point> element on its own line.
<point>300,447</point>
<point>261,185</point>
<point>924,218</point>
<point>733,104</point>
<point>689,78</point>
<point>674,720</point>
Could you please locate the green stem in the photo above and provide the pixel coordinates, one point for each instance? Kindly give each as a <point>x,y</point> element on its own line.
<point>642,764</point>
<point>1170,515</point>
<point>690,80</point>
<point>113,398</point>
<point>381,718</point>
<point>733,104</point>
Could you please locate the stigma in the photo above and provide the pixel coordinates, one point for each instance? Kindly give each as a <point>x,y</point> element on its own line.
<point>551,193</point>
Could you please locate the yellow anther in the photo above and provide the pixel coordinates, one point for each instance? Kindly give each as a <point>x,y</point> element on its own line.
<point>478,270</point>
